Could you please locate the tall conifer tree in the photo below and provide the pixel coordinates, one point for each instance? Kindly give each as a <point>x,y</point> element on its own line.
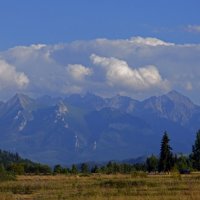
<point>195,156</point>
<point>166,157</point>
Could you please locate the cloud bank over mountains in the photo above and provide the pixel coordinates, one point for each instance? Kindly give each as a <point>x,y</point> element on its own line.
<point>136,67</point>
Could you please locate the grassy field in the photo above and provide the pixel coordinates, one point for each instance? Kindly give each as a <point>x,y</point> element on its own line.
<point>102,187</point>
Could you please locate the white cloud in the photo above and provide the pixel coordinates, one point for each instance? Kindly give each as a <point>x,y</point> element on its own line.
<point>193,28</point>
<point>9,77</point>
<point>151,61</point>
<point>78,72</point>
<point>118,73</point>
<point>25,53</point>
<point>149,41</point>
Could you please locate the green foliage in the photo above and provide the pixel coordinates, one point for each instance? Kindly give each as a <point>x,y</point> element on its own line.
<point>8,158</point>
<point>122,168</point>
<point>84,168</point>
<point>112,168</point>
<point>152,164</point>
<point>195,156</point>
<point>43,169</point>
<point>182,162</point>
<point>13,163</point>
<point>139,167</point>
<point>6,176</point>
<point>166,157</point>
<point>126,168</point>
<point>57,169</point>
<point>74,169</point>
<point>16,168</point>
<point>95,169</point>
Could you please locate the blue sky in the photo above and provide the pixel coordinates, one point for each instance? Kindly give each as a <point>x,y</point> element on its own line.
<point>25,22</point>
<point>136,48</point>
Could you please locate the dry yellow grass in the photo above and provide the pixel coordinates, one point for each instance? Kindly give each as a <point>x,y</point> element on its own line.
<point>102,187</point>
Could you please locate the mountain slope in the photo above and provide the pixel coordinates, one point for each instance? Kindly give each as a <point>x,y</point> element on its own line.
<point>83,128</point>
<point>172,106</point>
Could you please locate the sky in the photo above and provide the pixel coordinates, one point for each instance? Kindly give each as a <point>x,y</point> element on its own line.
<point>136,48</point>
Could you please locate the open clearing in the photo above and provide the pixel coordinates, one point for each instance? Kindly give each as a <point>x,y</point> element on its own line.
<point>102,187</point>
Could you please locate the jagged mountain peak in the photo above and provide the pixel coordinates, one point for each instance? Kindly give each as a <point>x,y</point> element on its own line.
<point>174,93</point>
<point>181,103</point>
<point>173,106</point>
<point>172,96</point>
<point>86,101</point>
<point>90,95</point>
<point>21,100</point>
<point>90,98</point>
<point>94,127</point>
<point>122,103</point>
<point>123,99</point>
<point>178,97</point>
<point>120,97</point>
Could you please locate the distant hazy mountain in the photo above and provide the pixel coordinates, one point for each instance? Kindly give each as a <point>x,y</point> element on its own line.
<point>91,128</point>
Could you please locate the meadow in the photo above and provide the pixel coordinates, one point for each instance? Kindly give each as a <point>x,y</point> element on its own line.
<point>102,187</point>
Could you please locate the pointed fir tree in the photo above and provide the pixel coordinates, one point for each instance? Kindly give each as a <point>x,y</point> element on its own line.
<point>84,168</point>
<point>95,169</point>
<point>195,156</point>
<point>74,169</point>
<point>166,157</point>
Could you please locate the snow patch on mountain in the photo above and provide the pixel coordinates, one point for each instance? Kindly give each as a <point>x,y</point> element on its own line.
<point>62,109</point>
<point>61,112</point>
<point>22,125</point>
<point>18,115</point>
<point>76,142</point>
<point>95,145</point>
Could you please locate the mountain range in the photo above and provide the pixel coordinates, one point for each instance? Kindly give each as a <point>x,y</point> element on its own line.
<point>80,128</point>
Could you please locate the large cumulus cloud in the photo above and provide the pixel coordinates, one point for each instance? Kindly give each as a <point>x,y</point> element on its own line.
<point>120,74</point>
<point>137,67</point>
<point>78,72</point>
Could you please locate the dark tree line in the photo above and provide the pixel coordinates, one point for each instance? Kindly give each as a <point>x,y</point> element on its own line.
<point>110,168</point>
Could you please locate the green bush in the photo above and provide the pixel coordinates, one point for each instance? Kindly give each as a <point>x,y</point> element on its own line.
<point>5,176</point>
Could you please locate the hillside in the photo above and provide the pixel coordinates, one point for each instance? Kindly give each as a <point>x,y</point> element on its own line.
<point>79,128</point>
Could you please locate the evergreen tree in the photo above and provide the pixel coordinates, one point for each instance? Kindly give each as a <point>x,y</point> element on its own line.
<point>95,169</point>
<point>166,157</point>
<point>195,156</point>
<point>74,169</point>
<point>84,168</point>
<point>57,169</point>
<point>109,167</point>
